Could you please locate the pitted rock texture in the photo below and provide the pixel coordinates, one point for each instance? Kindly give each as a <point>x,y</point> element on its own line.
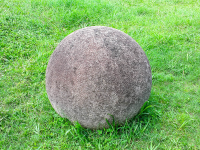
<point>97,73</point>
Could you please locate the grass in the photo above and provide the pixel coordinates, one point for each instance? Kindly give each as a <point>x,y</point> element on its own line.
<point>167,30</point>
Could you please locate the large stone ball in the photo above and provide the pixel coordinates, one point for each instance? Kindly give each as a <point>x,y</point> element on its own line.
<point>96,74</point>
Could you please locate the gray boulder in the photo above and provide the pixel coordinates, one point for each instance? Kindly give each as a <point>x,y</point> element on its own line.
<point>97,73</point>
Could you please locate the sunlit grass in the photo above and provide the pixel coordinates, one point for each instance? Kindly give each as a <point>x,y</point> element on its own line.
<point>167,30</point>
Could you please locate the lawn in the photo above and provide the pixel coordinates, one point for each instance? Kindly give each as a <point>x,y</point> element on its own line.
<point>167,30</point>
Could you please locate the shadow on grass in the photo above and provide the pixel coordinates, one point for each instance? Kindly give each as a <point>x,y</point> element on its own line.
<point>133,129</point>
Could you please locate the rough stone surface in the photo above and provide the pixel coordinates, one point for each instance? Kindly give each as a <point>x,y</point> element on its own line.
<point>97,73</point>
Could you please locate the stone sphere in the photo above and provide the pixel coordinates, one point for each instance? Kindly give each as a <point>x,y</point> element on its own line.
<point>96,74</point>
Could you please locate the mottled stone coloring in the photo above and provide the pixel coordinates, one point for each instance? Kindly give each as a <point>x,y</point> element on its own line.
<point>95,73</point>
